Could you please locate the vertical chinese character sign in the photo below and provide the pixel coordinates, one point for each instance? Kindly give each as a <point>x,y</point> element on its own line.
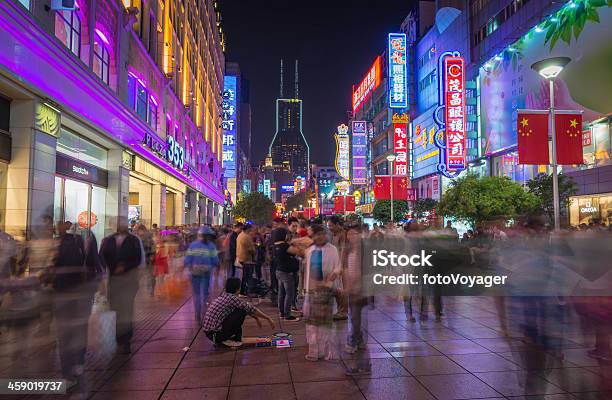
<point>398,79</point>
<point>343,152</point>
<point>400,143</point>
<point>228,106</point>
<point>359,153</point>
<point>454,94</point>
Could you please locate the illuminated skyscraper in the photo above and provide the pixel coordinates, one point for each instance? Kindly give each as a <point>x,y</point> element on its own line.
<point>289,150</point>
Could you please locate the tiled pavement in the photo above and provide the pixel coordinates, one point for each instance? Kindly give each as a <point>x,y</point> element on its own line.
<point>466,356</point>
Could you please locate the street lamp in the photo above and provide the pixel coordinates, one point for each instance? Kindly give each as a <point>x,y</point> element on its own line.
<point>391,158</point>
<point>549,69</point>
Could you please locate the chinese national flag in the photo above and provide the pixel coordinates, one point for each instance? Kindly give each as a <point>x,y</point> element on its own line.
<point>339,205</point>
<point>400,188</point>
<point>568,128</point>
<point>350,204</point>
<point>532,138</point>
<point>382,187</point>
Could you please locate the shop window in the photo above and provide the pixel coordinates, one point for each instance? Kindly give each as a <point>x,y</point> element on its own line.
<point>101,59</point>
<point>68,30</point>
<point>142,101</point>
<point>82,149</point>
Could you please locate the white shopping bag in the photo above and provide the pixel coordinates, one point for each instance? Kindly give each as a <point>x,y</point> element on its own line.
<point>102,328</point>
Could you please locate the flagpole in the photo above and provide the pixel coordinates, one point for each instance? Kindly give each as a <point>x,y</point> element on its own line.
<point>391,158</point>
<point>555,177</point>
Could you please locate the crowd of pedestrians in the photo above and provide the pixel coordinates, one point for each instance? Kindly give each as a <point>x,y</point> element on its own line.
<point>310,270</point>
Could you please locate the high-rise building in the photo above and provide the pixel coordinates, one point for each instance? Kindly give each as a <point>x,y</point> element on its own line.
<point>289,150</point>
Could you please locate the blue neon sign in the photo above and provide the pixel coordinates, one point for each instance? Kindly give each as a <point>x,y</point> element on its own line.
<point>398,73</point>
<point>228,109</point>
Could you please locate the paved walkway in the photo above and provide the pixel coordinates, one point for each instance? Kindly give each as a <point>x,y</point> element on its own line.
<point>466,356</point>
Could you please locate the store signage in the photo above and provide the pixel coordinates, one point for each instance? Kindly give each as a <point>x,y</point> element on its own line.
<point>360,148</point>
<point>228,123</point>
<point>154,145</point>
<point>343,152</point>
<point>398,73</point>
<point>299,184</point>
<point>82,219</point>
<point>588,208</point>
<point>175,154</point>
<point>587,138</point>
<point>454,93</point>
<point>370,82</point>
<point>287,189</point>
<point>73,168</point>
<point>400,143</point>
<point>267,188</point>
<point>246,186</point>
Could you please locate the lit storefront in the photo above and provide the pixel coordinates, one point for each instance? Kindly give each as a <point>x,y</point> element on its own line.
<point>591,208</point>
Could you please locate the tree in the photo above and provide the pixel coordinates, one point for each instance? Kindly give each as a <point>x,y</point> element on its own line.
<point>382,210</point>
<point>474,200</point>
<point>422,206</point>
<point>541,187</point>
<point>255,207</point>
<point>299,199</point>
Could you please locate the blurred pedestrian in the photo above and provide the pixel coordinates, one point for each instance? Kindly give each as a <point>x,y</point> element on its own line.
<point>201,259</point>
<point>245,256</point>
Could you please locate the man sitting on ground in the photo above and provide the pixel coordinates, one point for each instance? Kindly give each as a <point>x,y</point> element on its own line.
<point>226,314</point>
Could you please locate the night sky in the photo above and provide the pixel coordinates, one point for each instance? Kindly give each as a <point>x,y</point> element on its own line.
<point>336,42</point>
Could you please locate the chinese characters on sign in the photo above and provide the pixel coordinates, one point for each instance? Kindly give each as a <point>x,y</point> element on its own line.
<point>454,94</point>
<point>267,188</point>
<point>398,88</point>
<point>343,152</point>
<point>228,124</point>
<point>370,82</point>
<point>359,153</point>
<point>400,144</point>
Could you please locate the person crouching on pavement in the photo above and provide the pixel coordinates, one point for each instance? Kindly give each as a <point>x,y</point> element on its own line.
<point>200,261</point>
<point>323,268</point>
<point>226,314</point>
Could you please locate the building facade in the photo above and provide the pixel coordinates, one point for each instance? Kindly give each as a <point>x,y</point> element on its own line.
<point>112,113</point>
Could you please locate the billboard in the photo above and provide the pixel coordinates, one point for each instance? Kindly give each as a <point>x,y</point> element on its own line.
<point>454,113</point>
<point>360,147</point>
<point>267,188</point>
<point>400,143</point>
<point>370,82</point>
<point>228,123</point>
<point>398,73</point>
<point>343,152</point>
<point>425,153</point>
<point>507,82</point>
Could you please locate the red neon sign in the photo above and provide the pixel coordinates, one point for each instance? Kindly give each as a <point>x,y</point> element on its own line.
<point>370,82</point>
<point>454,92</point>
<point>400,148</point>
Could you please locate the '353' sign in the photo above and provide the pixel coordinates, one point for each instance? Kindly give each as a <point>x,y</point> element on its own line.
<point>175,154</point>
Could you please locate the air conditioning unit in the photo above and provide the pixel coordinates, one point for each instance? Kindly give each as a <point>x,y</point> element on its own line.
<point>63,5</point>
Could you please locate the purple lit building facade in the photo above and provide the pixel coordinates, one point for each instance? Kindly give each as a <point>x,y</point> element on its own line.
<point>110,111</point>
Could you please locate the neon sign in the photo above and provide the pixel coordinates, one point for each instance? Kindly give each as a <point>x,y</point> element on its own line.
<point>175,154</point>
<point>342,152</point>
<point>454,90</point>
<point>398,80</point>
<point>451,105</point>
<point>400,143</point>
<point>360,145</point>
<point>370,82</point>
<point>228,123</point>
<point>267,188</point>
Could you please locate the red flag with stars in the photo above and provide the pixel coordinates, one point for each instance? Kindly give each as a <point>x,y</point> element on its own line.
<point>568,130</point>
<point>532,137</point>
<point>382,187</point>
<point>400,188</point>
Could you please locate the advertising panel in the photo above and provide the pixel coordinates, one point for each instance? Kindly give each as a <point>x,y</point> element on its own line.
<point>228,123</point>
<point>507,82</point>
<point>267,188</point>
<point>398,73</point>
<point>400,144</point>
<point>425,153</point>
<point>370,82</point>
<point>454,113</point>
<point>360,146</point>
<point>343,152</point>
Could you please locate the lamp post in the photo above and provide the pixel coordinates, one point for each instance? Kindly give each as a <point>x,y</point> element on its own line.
<point>391,158</point>
<point>549,69</point>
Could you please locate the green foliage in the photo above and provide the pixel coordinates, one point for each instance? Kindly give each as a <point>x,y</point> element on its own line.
<point>475,200</point>
<point>571,20</point>
<point>422,206</point>
<point>382,210</point>
<point>254,206</point>
<point>541,186</point>
<point>299,199</point>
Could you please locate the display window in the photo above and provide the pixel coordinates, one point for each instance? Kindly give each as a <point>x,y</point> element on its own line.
<point>591,208</point>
